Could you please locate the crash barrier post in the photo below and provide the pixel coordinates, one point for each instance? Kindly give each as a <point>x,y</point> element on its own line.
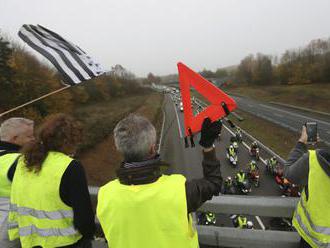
<point>267,206</point>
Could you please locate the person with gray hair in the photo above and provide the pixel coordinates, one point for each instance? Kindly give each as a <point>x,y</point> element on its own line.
<point>143,207</point>
<point>14,133</point>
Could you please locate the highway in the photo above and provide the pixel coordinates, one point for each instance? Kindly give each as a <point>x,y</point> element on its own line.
<point>285,117</point>
<point>187,161</point>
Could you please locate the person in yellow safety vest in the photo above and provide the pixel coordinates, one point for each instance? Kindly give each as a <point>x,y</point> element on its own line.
<point>242,222</point>
<point>252,166</point>
<point>210,218</point>
<point>231,150</point>
<point>50,204</point>
<point>240,176</point>
<point>14,133</point>
<point>311,169</point>
<point>143,207</point>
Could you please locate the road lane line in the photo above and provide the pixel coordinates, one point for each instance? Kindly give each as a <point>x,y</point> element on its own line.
<point>295,114</point>
<point>260,223</point>
<point>177,118</point>
<point>161,132</point>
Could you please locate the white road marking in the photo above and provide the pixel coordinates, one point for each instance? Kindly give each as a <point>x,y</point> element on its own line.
<point>161,132</point>
<point>298,115</point>
<point>177,118</point>
<point>260,223</point>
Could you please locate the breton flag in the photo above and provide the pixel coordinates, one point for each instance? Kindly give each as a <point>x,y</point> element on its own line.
<point>72,62</point>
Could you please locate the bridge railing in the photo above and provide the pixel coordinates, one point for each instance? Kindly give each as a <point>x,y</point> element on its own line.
<point>266,206</point>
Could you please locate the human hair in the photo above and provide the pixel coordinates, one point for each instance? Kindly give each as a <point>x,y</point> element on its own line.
<point>13,127</point>
<point>59,132</point>
<point>134,136</point>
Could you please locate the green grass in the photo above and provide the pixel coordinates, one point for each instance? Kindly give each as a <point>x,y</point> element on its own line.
<point>100,119</point>
<point>313,96</point>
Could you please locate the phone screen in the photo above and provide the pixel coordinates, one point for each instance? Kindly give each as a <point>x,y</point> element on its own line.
<point>311,128</point>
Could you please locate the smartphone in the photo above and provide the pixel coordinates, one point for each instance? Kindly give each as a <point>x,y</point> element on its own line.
<point>311,128</point>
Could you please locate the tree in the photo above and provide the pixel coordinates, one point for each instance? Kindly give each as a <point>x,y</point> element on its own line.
<point>221,73</point>
<point>262,70</point>
<point>153,79</point>
<point>207,73</point>
<point>244,70</point>
<point>6,72</point>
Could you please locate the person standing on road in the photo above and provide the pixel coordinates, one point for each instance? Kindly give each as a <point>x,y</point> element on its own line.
<point>311,169</point>
<point>143,207</point>
<point>14,133</point>
<point>50,204</point>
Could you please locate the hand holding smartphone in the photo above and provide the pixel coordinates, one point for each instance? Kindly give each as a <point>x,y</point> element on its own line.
<point>311,130</point>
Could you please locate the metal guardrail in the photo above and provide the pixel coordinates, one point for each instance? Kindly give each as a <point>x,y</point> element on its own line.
<point>253,205</point>
<point>233,237</point>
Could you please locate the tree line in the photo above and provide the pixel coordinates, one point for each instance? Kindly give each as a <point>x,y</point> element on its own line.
<point>23,77</point>
<point>309,64</point>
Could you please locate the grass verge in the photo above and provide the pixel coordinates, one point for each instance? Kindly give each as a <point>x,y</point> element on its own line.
<point>98,154</point>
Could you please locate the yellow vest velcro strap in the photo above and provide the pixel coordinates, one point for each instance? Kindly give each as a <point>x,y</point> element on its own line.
<point>30,230</point>
<point>317,242</point>
<point>318,229</point>
<point>41,214</point>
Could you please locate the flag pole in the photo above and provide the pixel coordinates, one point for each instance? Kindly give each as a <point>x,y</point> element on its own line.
<point>34,100</point>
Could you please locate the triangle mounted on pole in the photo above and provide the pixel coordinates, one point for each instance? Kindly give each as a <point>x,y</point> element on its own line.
<point>220,103</point>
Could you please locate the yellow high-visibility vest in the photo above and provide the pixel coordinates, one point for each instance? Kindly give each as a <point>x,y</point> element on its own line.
<point>242,221</point>
<point>148,215</point>
<point>312,215</point>
<point>6,161</point>
<point>37,215</point>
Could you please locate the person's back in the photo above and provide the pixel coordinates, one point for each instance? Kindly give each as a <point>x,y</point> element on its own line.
<point>14,133</point>
<point>154,214</point>
<point>143,208</point>
<point>311,169</point>
<point>46,206</point>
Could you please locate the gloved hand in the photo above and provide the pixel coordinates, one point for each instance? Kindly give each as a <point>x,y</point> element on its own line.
<point>209,132</point>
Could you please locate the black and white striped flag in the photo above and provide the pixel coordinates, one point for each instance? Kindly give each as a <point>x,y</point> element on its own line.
<point>72,62</point>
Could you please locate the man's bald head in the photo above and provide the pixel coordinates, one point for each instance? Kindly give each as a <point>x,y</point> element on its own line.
<point>17,130</point>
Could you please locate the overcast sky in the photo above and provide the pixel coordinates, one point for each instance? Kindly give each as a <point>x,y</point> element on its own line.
<point>152,36</point>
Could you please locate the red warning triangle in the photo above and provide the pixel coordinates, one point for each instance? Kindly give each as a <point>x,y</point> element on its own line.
<point>213,94</point>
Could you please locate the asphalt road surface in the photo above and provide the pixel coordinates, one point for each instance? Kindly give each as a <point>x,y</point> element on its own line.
<point>285,117</point>
<point>188,161</point>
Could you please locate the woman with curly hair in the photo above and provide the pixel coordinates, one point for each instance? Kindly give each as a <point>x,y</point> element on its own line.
<point>50,202</point>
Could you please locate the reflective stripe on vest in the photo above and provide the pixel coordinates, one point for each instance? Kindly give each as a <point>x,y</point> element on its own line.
<point>317,242</point>
<point>36,208</point>
<point>148,215</point>
<point>29,230</point>
<point>41,214</point>
<point>312,216</point>
<point>6,162</point>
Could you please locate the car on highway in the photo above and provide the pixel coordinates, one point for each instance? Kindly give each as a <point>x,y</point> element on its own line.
<point>181,106</point>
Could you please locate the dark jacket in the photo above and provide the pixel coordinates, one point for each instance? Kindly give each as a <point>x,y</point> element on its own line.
<point>297,165</point>
<point>73,192</point>
<point>198,191</point>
